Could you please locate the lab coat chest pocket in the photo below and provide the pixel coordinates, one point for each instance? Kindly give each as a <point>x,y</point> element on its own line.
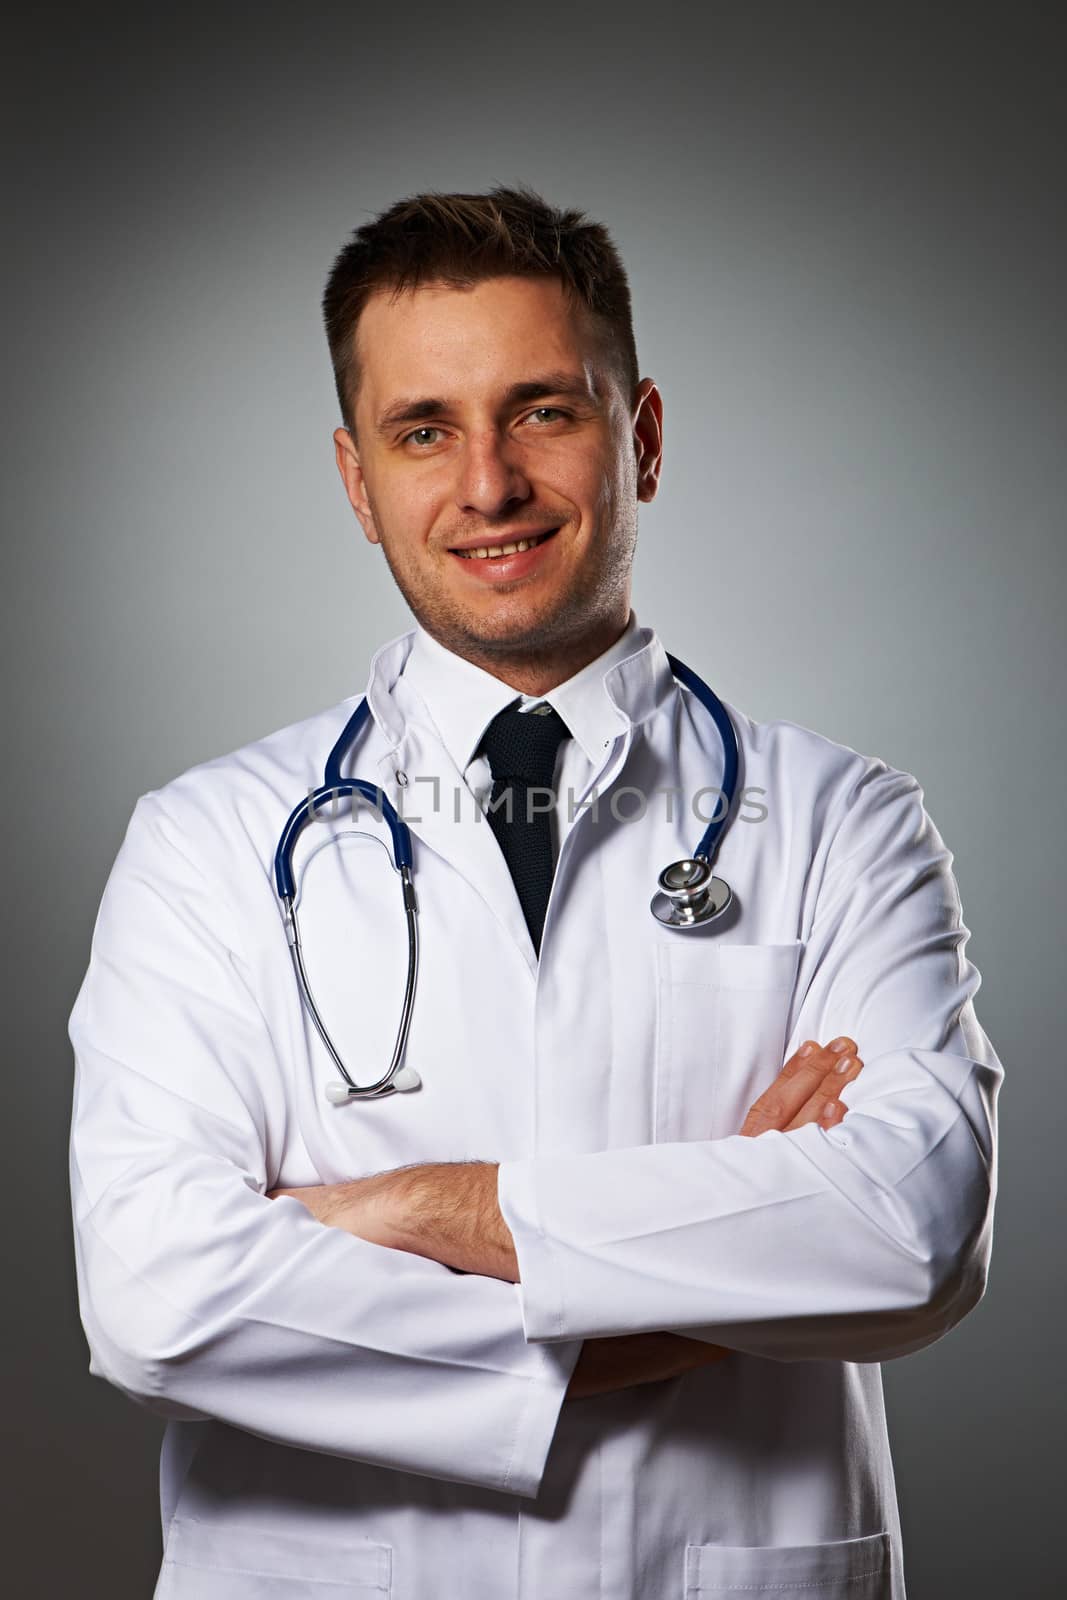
<point>722,1018</point>
<point>844,1569</point>
<point>220,1561</point>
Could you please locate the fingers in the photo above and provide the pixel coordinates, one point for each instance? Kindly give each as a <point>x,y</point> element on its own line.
<point>811,1076</point>
<point>824,1105</point>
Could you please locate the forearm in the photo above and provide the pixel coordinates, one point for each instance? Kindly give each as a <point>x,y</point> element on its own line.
<point>452,1216</point>
<point>858,1245</point>
<point>203,1299</point>
<point>450,1213</point>
<point>446,1211</point>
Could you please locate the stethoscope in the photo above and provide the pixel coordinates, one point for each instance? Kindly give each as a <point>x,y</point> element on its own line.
<point>687,896</point>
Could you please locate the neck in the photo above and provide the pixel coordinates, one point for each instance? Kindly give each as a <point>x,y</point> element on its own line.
<point>535,672</point>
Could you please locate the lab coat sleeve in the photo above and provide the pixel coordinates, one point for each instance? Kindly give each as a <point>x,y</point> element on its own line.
<point>200,1297</point>
<point>863,1242</point>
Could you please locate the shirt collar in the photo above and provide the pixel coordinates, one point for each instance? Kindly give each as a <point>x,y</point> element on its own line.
<point>621,686</point>
<point>462,699</point>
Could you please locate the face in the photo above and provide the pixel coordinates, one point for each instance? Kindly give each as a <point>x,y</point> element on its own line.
<point>488,418</point>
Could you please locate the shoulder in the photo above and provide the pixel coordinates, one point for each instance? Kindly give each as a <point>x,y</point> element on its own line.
<point>280,768</point>
<point>843,818</point>
<point>831,793</point>
<point>226,814</point>
<point>788,753</point>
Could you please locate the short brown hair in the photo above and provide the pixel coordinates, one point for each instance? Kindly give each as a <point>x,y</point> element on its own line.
<point>461,239</point>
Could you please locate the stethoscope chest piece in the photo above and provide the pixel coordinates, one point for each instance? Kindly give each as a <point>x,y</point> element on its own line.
<point>689,894</point>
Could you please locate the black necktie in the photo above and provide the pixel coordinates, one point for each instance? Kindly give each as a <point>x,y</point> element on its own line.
<point>521,747</point>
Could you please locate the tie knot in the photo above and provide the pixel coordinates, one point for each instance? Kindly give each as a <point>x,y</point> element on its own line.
<point>521,745</point>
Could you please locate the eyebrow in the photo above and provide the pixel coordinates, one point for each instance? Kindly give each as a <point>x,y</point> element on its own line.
<point>548,383</point>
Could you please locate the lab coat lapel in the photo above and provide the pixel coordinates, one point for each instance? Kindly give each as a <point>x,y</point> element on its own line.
<point>442,815</point>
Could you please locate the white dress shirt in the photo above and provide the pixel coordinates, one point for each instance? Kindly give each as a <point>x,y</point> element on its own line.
<point>462,699</point>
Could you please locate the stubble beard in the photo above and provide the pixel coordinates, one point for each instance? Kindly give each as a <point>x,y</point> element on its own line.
<point>578,612</point>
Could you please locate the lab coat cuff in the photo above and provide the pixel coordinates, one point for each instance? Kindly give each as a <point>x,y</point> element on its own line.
<point>541,1280</point>
<point>539,1419</point>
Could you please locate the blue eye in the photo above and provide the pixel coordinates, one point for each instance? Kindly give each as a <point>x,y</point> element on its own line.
<point>418,436</point>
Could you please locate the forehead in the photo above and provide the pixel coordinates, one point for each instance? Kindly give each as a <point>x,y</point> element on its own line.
<point>459,339</point>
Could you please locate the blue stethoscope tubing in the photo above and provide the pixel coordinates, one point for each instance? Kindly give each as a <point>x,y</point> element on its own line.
<point>688,895</point>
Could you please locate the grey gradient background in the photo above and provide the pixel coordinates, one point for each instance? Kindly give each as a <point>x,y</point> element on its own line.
<point>844,230</point>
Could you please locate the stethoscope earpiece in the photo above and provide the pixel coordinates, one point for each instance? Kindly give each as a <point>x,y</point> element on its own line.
<point>404,1079</point>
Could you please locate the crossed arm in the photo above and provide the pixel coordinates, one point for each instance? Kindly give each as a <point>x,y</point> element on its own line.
<point>448,1212</point>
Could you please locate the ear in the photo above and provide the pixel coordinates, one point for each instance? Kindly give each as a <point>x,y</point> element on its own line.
<point>648,437</point>
<point>347,457</point>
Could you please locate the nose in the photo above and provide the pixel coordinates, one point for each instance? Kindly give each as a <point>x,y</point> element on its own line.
<point>491,477</point>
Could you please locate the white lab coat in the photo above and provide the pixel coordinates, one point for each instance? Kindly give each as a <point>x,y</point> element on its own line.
<point>348,1420</point>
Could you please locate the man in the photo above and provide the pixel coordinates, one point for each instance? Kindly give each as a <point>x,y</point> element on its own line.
<point>598,1308</point>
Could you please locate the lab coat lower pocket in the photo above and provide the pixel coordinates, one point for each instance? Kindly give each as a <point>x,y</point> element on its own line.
<point>220,1561</point>
<point>852,1569</point>
<point>722,1021</point>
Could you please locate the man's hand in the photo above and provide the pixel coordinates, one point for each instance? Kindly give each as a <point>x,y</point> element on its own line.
<point>806,1090</point>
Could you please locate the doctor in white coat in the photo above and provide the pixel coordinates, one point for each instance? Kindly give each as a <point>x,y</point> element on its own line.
<point>598,1309</point>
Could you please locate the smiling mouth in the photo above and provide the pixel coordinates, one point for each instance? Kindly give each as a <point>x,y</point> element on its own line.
<point>491,552</point>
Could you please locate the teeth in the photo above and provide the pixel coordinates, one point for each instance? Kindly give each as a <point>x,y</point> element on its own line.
<point>484,551</point>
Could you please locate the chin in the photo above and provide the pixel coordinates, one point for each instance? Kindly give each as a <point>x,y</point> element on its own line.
<point>505,623</point>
